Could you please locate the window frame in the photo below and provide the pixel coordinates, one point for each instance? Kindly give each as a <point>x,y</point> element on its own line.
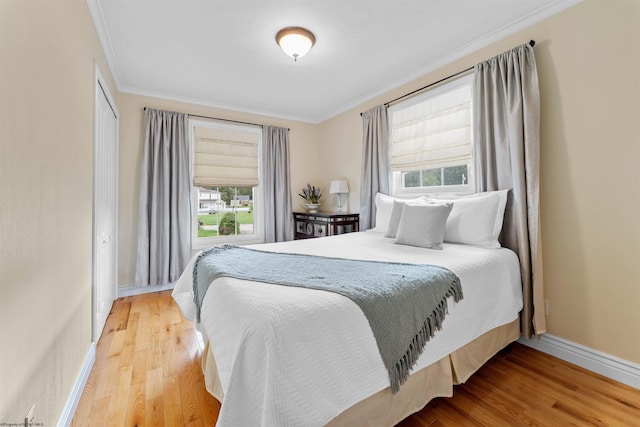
<point>395,177</point>
<point>199,243</point>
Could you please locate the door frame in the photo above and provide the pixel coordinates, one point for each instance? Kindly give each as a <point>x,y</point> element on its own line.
<point>100,84</point>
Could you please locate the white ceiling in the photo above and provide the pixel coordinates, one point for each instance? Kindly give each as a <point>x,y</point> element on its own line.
<point>223,53</point>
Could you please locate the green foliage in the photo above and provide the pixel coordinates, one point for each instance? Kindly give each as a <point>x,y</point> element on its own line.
<point>206,233</point>
<point>228,225</point>
<point>244,217</point>
<point>241,217</point>
<point>431,178</point>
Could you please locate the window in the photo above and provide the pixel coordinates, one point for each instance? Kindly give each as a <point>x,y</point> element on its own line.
<point>226,171</point>
<point>431,139</point>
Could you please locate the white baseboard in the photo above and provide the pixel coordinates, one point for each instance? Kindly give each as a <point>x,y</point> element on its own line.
<point>130,290</point>
<point>602,363</point>
<point>70,407</point>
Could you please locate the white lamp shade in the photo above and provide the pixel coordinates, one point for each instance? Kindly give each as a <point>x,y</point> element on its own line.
<point>339,187</point>
<point>295,41</point>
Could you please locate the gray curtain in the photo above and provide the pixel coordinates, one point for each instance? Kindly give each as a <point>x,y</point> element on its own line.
<point>164,225</point>
<point>375,163</point>
<point>277,186</point>
<point>507,144</point>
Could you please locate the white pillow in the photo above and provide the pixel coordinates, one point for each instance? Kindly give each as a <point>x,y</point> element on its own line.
<point>394,220</point>
<point>423,225</point>
<point>396,214</point>
<point>384,206</point>
<point>476,219</point>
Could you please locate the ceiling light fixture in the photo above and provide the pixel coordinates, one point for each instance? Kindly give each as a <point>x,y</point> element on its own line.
<point>295,41</point>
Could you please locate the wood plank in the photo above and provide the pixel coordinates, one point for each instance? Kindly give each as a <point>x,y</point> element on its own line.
<point>117,344</point>
<point>102,347</point>
<point>154,352</point>
<point>126,355</point>
<point>166,324</point>
<point>132,329</point>
<point>190,404</point>
<point>121,315</point>
<point>120,400</point>
<point>154,412</point>
<point>98,411</point>
<point>173,404</point>
<point>136,405</point>
<point>143,335</point>
<point>154,404</point>
<point>107,378</point>
<point>139,373</point>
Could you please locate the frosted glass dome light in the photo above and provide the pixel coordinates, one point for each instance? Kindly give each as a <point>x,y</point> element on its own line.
<point>295,41</point>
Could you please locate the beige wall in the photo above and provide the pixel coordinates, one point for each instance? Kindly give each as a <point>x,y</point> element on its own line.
<point>47,54</point>
<point>588,61</point>
<point>305,152</point>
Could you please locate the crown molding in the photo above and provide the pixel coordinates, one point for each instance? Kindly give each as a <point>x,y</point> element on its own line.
<point>105,40</point>
<point>206,103</point>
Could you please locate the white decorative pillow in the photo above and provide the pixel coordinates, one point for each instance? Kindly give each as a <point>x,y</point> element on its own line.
<point>423,225</point>
<point>476,219</point>
<point>384,207</point>
<point>396,214</point>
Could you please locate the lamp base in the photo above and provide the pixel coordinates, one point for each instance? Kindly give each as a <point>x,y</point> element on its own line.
<point>340,207</point>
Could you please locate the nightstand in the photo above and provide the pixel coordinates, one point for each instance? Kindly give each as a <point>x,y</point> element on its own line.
<point>320,224</point>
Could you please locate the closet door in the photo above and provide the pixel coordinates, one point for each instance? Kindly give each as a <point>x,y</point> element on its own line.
<point>105,211</point>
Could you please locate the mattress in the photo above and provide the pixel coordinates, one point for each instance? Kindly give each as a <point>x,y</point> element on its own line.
<point>296,356</point>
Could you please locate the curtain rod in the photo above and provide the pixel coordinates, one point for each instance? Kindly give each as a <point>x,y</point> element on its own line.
<point>386,104</point>
<point>224,120</point>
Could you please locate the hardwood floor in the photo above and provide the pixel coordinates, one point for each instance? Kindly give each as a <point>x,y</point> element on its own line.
<point>147,373</point>
<point>147,369</point>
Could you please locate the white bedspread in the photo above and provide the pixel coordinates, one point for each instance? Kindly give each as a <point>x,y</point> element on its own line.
<point>291,356</point>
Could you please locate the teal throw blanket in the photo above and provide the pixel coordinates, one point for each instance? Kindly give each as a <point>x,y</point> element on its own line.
<point>405,304</point>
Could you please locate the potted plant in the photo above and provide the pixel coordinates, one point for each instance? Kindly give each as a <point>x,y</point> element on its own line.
<point>312,195</point>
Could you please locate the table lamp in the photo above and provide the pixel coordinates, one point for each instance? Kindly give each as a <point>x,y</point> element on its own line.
<point>339,188</point>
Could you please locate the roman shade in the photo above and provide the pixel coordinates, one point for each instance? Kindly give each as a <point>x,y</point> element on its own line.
<point>433,131</point>
<point>225,157</point>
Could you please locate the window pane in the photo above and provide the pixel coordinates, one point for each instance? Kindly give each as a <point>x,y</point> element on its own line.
<point>411,179</point>
<point>225,211</point>
<point>431,177</point>
<point>455,175</point>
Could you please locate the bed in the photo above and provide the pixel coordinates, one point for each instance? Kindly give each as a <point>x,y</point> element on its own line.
<point>279,356</point>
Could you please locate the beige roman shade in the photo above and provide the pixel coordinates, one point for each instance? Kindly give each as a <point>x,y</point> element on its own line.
<point>432,132</point>
<point>225,157</point>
